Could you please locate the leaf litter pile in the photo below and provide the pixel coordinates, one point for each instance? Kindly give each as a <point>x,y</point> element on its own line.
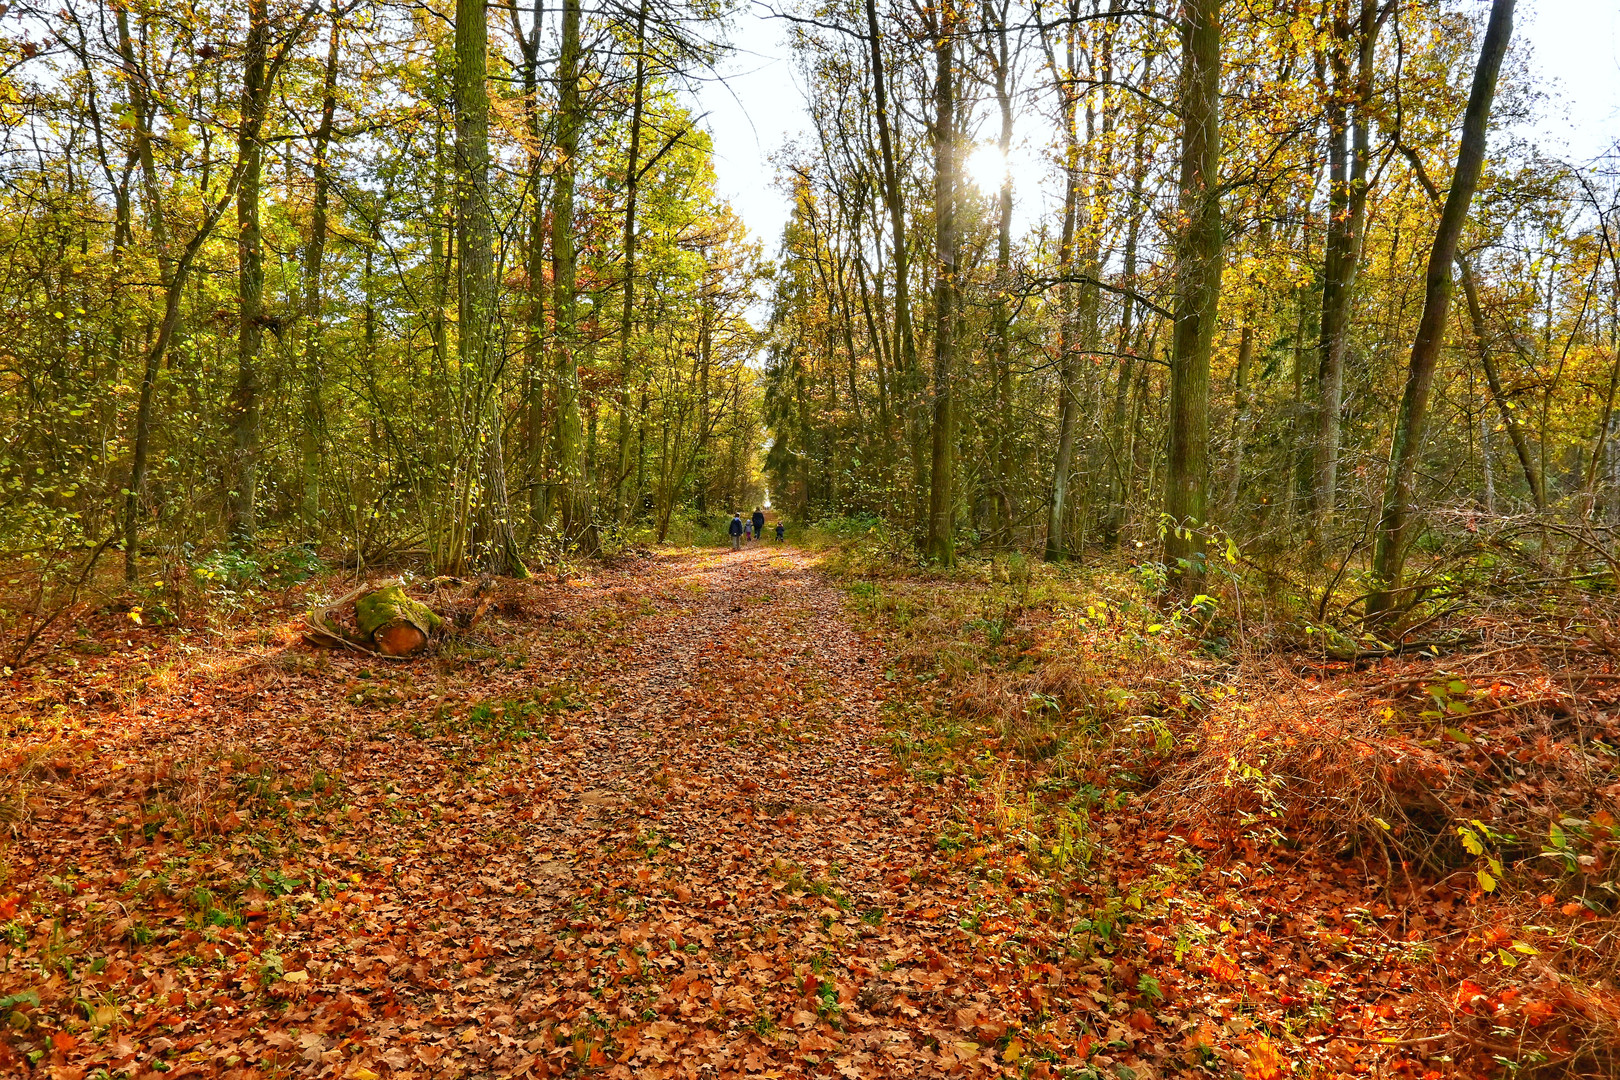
<point>655,822</point>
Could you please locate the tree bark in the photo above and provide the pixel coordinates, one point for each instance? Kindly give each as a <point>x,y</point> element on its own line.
<point>1123,444</point>
<point>246,405</point>
<point>905,352</point>
<point>1389,552</point>
<point>940,545</point>
<point>1068,397</point>
<point>573,503</point>
<point>1198,250</point>
<point>534,358</point>
<point>1064,76</point>
<point>1348,115</point>
<point>632,180</point>
<point>476,285</point>
<point>1000,316</point>
<point>314,257</point>
<point>140,112</point>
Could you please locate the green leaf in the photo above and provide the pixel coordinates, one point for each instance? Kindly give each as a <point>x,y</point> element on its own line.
<point>1470,840</point>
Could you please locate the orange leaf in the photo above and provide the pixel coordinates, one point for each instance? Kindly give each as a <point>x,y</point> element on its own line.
<point>1264,1062</point>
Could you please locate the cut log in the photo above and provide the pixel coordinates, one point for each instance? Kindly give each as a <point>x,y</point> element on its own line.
<point>393,622</point>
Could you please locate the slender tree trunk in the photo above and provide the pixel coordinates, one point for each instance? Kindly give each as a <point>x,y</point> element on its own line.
<point>314,257</point>
<point>1389,552</point>
<point>905,353</point>
<point>1124,456</point>
<point>1068,395</point>
<point>476,285</point>
<point>246,404</point>
<point>534,350</point>
<point>573,481</point>
<point>632,179</point>
<point>1198,285</point>
<point>141,114</point>
<point>940,545</point>
<point>1064,76</point>
<point>1349,110</point>
<point>1000,315</point>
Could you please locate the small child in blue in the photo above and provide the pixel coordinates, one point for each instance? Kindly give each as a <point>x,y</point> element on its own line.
<point>780,530</point>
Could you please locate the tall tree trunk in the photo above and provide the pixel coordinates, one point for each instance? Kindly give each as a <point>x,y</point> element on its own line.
<point>1000,316</point>
<point>1198,250</point>
<point>246,405</point>
<point>1068,395</point>
<point>940,545</point>
<point>314,256</point>
<point>1064,78</point>
<point>1349,109</point>
<point>475,308</point>
<point>1121,431</point>
<point>632,181</point>
<point>573,481</point>
<point>534,358</point>
<point>1389,552</point>
<point>140,111</point>
<point>905,352</point>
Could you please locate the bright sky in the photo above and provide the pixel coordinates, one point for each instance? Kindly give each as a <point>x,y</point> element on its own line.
<point>1575,46</point>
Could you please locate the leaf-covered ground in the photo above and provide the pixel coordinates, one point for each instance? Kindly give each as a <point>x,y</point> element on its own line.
<point>647,823</point>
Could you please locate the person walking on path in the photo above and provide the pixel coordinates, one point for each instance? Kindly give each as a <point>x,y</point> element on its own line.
<point>736,532</point>
<point>780,529</point>
<point>759,523</point>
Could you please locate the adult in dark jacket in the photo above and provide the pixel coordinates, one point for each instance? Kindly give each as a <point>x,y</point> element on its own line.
<point>759,523</point>
<point>736,532</point>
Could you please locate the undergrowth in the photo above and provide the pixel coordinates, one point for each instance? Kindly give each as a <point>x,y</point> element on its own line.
<point>1481,782</point>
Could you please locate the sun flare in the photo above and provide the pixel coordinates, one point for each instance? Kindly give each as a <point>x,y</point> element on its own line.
<point>986,167</point>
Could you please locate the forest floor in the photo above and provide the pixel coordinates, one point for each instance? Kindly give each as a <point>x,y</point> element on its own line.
<point>664,819</point>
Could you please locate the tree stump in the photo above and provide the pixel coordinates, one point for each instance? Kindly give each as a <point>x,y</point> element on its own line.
<point>393,622</point>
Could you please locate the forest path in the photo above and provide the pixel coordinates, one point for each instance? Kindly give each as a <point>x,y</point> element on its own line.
<point>642,823</point>
<point>732,876</point>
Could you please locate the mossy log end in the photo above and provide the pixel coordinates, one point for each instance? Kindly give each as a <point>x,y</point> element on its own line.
<point>393,622</point>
